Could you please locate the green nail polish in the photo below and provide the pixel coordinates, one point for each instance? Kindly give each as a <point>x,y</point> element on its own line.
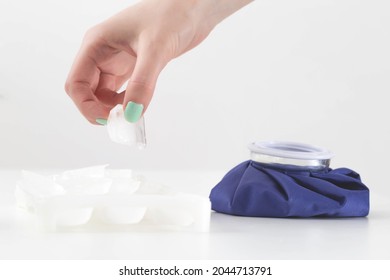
<point>133,111</point>
<point>101,121</point>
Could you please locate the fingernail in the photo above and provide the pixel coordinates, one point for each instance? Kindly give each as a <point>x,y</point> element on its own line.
<point>133,111</point>
<point>101,121</point>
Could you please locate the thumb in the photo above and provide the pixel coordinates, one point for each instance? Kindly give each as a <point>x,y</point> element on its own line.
<point>140,88</point>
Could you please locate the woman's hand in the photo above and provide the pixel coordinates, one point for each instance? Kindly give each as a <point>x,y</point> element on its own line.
<point>134,46</point>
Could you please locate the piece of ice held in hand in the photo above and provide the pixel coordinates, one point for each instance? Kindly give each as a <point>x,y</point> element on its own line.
<point>123,132</point>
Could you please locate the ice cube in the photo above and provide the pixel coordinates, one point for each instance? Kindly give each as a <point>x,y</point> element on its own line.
<point>97,171</point>
<point>89,180</point>
<point>119,173</point>
<point>85,185</point>
<point>122,181</point>
<point>149,187</point>
<point>34,186</point>
<point>38,185</point>
<point>123,132</point>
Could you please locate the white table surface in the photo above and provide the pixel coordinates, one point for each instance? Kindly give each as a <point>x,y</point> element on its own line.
<point>230,237</point>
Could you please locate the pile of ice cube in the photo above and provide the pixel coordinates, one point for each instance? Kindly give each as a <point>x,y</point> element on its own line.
<point>97,198</point>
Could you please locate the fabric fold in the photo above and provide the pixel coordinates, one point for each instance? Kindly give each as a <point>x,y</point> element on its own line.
<point>260,190</point>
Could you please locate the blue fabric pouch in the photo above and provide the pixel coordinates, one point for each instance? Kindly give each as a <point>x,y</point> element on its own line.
<point>273,190</point>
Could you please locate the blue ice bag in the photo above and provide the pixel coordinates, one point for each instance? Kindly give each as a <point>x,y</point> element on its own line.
<point>285,179</point>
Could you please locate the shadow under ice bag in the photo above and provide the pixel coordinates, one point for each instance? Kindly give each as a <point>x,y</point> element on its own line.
<point>285,179</point>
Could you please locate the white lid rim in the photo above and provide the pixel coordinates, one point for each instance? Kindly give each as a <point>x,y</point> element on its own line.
<point>291,150</point>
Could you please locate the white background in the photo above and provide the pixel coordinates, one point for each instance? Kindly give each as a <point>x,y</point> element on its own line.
<point>307,71</point>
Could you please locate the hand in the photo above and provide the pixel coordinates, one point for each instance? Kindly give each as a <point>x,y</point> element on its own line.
<point>134,46</point>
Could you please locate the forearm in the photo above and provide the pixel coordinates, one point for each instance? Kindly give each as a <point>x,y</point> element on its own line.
<point>221,9</point>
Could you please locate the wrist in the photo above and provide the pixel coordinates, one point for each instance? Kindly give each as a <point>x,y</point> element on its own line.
<point>216,11</point>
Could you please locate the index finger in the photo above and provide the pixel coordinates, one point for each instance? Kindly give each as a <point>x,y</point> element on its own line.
<point>81,84</point>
